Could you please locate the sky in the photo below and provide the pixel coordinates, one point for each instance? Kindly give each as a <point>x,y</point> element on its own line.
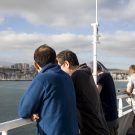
<point>66,24</point>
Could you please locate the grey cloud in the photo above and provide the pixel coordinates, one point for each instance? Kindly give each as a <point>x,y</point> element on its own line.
<point>66,12</point>
<point>2,20</point>
<point>56,12</point>
<point>119,43</point>
<point>21,46</point>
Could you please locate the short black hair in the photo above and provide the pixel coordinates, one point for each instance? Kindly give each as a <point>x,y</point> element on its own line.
<point>44,55</point>
<point>69,56</point>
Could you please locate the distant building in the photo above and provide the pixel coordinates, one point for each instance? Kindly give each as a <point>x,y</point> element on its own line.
<point>21,66</point>
<point>18,71</point>
<point>119,74</point>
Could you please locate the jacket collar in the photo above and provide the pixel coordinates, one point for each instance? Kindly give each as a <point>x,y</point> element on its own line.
<point>48,66</point>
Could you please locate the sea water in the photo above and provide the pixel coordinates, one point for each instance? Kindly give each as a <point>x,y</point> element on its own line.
<point>10,95</point>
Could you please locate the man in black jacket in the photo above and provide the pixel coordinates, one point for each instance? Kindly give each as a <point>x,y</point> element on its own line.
<point>89,110</point>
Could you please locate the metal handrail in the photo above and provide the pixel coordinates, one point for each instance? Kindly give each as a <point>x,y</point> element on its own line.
<point>6,126</point>
<point>121,107</point>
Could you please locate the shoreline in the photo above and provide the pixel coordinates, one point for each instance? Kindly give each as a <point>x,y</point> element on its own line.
<point>121,80</point>
<point>15,80</point>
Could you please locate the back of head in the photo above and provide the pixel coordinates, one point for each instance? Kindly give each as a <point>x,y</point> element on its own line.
<point>131,69</point>
<point>100,67</point>
<point>44,55</point>
<point>69,56</point>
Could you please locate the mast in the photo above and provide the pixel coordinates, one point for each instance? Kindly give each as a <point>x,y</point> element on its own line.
<point>95,42</point>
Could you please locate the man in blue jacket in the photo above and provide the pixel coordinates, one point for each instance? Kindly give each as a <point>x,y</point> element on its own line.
<point>50,98</point>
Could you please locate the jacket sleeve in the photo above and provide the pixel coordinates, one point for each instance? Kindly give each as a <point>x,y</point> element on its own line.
<point>31,99</point>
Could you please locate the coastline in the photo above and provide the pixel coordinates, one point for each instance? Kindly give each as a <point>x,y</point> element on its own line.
<point>15,80</point>
<point>31,78</point>
<point>121,80</point>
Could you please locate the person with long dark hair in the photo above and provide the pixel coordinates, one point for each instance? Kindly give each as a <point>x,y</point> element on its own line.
<point>107,91</point>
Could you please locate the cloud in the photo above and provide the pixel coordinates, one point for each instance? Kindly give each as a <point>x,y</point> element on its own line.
<point>21,46</point>
<point>117,49</point>
<point>2,20</point>
<point>120,43</point>
<point>67,12</point>
<point>56,12</point>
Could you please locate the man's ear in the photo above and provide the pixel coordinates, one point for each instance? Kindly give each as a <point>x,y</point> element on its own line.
<point>38,68</point>
<point>67,64</point>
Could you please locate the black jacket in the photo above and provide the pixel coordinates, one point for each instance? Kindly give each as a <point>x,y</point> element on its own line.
<point>89,110</point>
<point>108,96</point>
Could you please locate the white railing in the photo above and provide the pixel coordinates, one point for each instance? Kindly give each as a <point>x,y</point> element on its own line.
<point>124,109</point>
<point>6,126</point>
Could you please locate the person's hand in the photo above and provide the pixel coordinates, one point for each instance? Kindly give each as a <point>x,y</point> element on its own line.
<point>118,90</point>
<point>130,94</point>
<point>35,117</point>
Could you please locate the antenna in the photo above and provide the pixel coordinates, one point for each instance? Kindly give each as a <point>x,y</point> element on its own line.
<point>95,42</point>
<point>96,12</point>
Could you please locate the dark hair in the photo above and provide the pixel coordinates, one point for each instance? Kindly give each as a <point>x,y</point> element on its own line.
<point>44,55</point>
<point>69,56</point>
<point>100,67</point>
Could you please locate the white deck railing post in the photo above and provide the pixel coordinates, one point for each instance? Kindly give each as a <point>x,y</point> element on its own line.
<point>120,105</point>
<point>4,132</point>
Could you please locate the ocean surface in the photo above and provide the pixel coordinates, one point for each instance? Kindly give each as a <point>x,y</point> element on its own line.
<point>10,95</point>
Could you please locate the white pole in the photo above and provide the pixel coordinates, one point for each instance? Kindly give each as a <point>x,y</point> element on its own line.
<point>95,41</point>
<point>96,12</point>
